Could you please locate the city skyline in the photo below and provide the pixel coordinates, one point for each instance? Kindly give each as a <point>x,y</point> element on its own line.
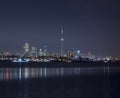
<point>88,26</point>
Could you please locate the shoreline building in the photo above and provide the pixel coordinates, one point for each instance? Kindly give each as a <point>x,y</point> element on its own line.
<point>77,54</point>
<point>40,52</point>
<point>26,49</point>
<point>33,51</point>
<point>45,51</point>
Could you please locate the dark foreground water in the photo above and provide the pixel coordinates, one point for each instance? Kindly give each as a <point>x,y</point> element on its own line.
<point>88,82</point>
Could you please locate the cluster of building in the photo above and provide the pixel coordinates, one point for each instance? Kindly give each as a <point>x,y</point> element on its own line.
<point>31,53</point>
<point>34,51</point>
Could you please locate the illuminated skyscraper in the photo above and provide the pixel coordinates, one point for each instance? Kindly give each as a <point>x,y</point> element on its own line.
<point>45,51</point>
<point>40,52</point>
<point>78,54</point>
<point>61,40</point>
<point>70,54</point>
<point>33,51</point>
<point>26,49</point>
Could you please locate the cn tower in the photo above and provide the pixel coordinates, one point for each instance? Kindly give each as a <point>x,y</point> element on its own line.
<point>62,41</point>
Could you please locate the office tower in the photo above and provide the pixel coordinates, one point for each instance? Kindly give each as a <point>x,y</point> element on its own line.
<point>40,52</point>
<point>70,54</point>
<point>26,49</point>
<point>33,51</point>
<point>45,51</point>
<point>78,54</point>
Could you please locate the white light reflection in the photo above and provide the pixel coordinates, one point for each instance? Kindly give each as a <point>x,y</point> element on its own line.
<point>62,72</point>
<point>41,72</point>
<point>20,73</point>
<point>25,73</point>
<point>45,72</point>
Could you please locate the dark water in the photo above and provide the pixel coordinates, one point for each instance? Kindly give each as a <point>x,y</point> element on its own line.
<point>91,82</point>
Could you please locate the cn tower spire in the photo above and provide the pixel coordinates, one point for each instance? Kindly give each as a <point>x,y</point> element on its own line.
<point>62,41</point>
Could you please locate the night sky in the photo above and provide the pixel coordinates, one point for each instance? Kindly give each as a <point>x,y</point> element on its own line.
<point>89,25</point>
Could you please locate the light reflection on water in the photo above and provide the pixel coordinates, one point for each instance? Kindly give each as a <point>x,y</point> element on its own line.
<point>25,73</point>
<point>102,85</point>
